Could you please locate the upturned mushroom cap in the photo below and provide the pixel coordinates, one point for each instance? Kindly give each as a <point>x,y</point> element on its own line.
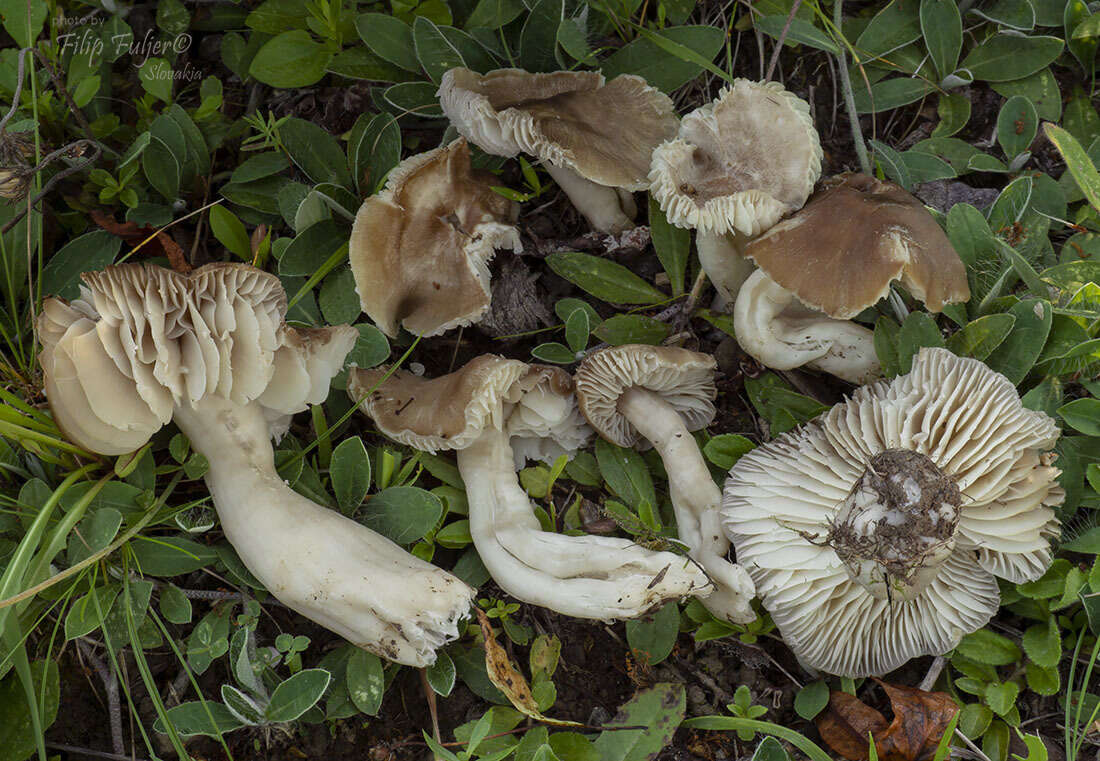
<point>682,378</point>
<point>738,164</point>
<point>840,253</point>
<point>605,132</point>
<point>451,411</point>
<point>142,339</point>
<point>784,501</point>
<point>419,250</point>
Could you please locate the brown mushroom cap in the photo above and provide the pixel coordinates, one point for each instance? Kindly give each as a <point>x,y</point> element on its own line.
<point>605,132</point>
<point>142,340</point>
<point>682,378</point>
<point>419,249</point>
<point>450,411</point>
<point>739,164</point>
<point>840,253</point>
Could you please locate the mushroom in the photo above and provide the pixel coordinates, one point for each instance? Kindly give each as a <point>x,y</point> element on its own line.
<point>477,410</point>
<point>838,256</point>
<point>736,167</point>
<point>874,533</point>
<point>594,138</point>
<point>419,250</point>
<point>144,345</point>
<point>636,395</point>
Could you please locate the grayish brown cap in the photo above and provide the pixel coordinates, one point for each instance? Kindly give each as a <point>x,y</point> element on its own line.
<point>419,250</point>
<point>605,132</point>
<point>840,253</point>
<point>781,498</point>
<point>451,411</point>
<point>684,379</point>
<point>142,340</point>
<point>738,164</point>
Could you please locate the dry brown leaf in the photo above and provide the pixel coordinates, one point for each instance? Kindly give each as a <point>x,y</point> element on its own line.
<point>920,719</point>
<point>507,678</point>
<point>131,232</point>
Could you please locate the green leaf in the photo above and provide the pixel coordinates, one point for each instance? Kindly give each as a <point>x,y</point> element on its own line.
<point>156,78</point>
<point>893,27</point>
<point>174,605</point>
<point>892,164</point>
<point>415,98</point>
<point>434,51</point>
<point>974,719</point>
<point>889,94</point>
<point>315,151</point>
<point>365,681</point>
<point>653,635</point>
<point>18,738</point>
<point>374,149</point>
<point>602,278</point>
<point>1088,542</point>
<point>662,69</point>
<point>1083,415</point>
<point>954,113</point>
<point>1077,161</point>
<point>403,514</point>
<point>441,674</point>
<point>799,31</point>
<point>1043,643</point>
<point>1016,355</point>
<point>194,718</point>
<point>1081,46</point>
<point>941,25</point>
<point>371,348</point>
<point>1017,125</point>
<point>538,38</point>
<point>312,247</point>
<point>278,16</point>
<point>493,14</point>
<point>260,166</point>
<point>555,353</point>
<point>1041,88</point>
<point>660,709</point>
<point>170,555</point>
<point>987,647</point>
<point>770,749</point>
<point>297,695</point>
<point>726,449</point>
<point>88,253</point>
<point>350,473</point>
<point>1001,697</point>
<point>338,300</point>
<point>23,20</point>
<point>292,59</point>
<point>980,337</point>
<point>84,617</point>
<point>577,330</point>
<point>389,38</point>
<point>230,232</point>
<point>672,244</point>
<point>812,699</point>
<point>918,331</point>
<point>632,329</point>
<point>626,474</point>
<point>1004,57</point>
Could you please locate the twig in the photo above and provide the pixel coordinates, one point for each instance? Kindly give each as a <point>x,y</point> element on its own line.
<point>49,186</point>
<point>849,95</point>
<point>429,693</point>
<point>110,686</point>
<point>933,674</point>
<point>90,752</point>
<point>779,44</point>
<point>970,744</point>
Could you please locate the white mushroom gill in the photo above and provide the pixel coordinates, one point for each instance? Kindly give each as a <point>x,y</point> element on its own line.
<point>814,531</point>
<point>145,345</point>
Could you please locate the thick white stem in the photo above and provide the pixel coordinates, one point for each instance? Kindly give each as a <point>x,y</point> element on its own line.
<point>605,208</point>
<point>720,257</point>
<point>583,576</point>
<point>321,564</point>
<point>696,500</point>
<point>775,328</point>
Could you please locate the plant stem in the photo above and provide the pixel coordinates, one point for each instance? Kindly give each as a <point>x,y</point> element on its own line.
<point>849,95</point>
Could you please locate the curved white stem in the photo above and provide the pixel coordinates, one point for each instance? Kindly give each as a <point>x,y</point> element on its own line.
<point>584,576</point>
<point>721,258</point>
<point>696,500</point>
<point>775,328</point>
<point>606,209</point>
<point>325,566</point>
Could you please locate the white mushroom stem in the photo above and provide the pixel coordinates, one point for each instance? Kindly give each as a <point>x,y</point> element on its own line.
<point>696,500</point>
<point>775,328</point>
<point>327,567</point>
<point>583,576</point>
<point>721,258</point>
<point>607,209</point>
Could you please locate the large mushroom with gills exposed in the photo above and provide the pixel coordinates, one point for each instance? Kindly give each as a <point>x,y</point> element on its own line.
<point>637,395</point>
<point>828,262</point>
<point>736,167</point>
<point>594,137</point>
<point>143,346</point>
<point>876,532</point>
<point>420,249</point>
<point>479,411</point>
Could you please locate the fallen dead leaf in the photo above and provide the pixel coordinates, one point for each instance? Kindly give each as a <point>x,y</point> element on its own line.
<point>507,678</point>
<point>920,719</point>
<point>132,232</point>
